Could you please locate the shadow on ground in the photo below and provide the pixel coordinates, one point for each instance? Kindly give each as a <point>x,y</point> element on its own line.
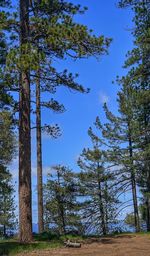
<point>107,240</point>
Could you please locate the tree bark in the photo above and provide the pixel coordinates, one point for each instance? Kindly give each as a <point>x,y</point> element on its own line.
<point>101,206</point>
<point>39,156</point>
<point>134,192</point>
<point>61,208</point>
<point>4,230</point>
<point>148,198</point>
<point>4,212</point>
<point>39,142</point>
<point>102,211</point>
<point>106,209</point>
<point>147,169</point>
<point>25,206</point>
<point>72,244</point>
<point>136,212</point>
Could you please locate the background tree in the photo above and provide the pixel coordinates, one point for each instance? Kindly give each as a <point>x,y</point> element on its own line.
<point>7,138</point>
<point>121,135</point>
<point>58,17</point>
<point>8,220</point>
<point>138,64</point>
<point>7,152</point>
<point>99,206</point>
<point>61,206</point>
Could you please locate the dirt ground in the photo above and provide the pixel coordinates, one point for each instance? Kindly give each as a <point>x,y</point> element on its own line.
<point>127,245</point>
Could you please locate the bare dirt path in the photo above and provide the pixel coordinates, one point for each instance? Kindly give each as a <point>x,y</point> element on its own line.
<point>127,245</point>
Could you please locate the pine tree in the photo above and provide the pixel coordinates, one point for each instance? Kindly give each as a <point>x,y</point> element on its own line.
<point>25,208</point>
<point>52,34</point>
<point>120,133</point>
<point>138,78</point>
<point>59,11</point>
<point>7,138</point>
<point>61,206</point>
<point>7,206</point>
<point>99,206</point>
<point>7,152</point>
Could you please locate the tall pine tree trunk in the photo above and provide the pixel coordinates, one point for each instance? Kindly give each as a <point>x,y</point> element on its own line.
<point>106,207</point>
<point>39,156</point>
<point>62,228</point>
<point>25,206</point>
<point>4,230</point>
<point>134,192</point>
<point>147,165</point>
<point>135,204</point>
<point>148,213</point>
<point>39,140</point>
<point>5,214</point>
<point>63,225</point>
<point>101,208</point>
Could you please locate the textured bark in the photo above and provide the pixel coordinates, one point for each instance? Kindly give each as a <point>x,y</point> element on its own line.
<point>147,168</point>
<point>101,206</point>
<point>62,228</point>
<point>25,208</point>
<point>39,156</point>
<point>148,198</point>
<point>39,144</point>
<point>136,213</point>
<point>106,209</point>
<point>148,214</point>
<point>134,192</point>
<point>72,244</point>
<point>4,230</point>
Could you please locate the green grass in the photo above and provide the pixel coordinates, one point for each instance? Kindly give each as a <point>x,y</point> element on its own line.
<point>143,233</point>
<point>12,247</point>
<point>45,240</point>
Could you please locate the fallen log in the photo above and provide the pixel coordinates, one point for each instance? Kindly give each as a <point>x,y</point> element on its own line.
<point>72,244</point>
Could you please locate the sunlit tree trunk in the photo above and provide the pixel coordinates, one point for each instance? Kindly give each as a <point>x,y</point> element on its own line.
<point>133,185</point>
<point>39,156</point>
<point>25,207</point>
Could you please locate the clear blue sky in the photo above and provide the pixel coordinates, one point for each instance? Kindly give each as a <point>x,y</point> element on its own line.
<point>104,18</point>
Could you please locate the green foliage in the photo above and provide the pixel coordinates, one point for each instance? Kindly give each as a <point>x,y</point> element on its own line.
<point>54,34</point>
<point>7,152</point>
<point>98,207</point>
<point>129,219</point>
<point>7,207</point>
<point>46,236</point>
<point>137,78</point>
<point>7,138</point>
<point>61,206</point>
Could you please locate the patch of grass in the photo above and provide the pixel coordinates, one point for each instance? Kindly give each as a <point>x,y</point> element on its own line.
<point>42,241</point>
<point>72,237</point>
<point>12,247</point>
<point>142,233</point>
<point>46,236</point>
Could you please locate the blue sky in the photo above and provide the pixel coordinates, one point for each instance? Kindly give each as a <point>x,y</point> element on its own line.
<point>105,19</point>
